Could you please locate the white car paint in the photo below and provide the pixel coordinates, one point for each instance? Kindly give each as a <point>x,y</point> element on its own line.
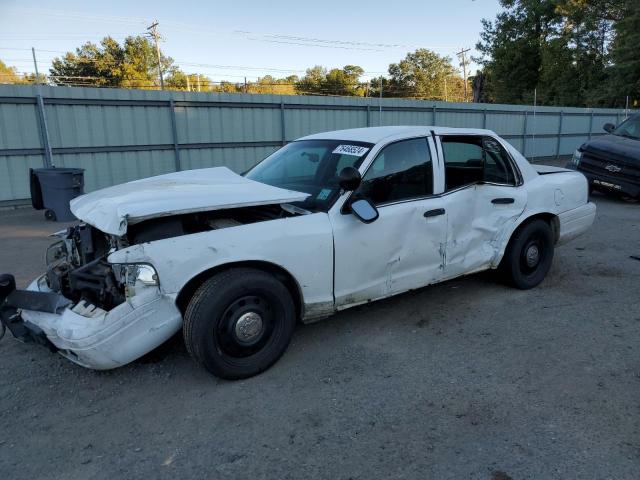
<point>112,209</point>
<point>335,260</point>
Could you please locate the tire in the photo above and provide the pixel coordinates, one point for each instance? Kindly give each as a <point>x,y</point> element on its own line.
<point>529,255</point>
<point>50,215</point>
<point>239,323</point>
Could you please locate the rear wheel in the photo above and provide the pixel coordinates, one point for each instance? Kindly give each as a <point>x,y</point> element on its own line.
<point>239,323</point>
<point>529,255</point>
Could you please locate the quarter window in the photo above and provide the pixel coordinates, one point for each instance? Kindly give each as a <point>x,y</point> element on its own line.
<point>401,171</point>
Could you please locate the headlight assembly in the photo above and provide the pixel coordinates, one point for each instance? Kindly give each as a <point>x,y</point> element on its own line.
<point>136,275</point>
<point>577,156</point>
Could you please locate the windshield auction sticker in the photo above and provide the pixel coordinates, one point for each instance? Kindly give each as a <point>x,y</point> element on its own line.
<point>354,150</point>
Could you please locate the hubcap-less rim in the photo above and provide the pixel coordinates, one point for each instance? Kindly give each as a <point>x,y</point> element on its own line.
<point>248,327</point>
<point>532,256</point>
<point>245,327</point>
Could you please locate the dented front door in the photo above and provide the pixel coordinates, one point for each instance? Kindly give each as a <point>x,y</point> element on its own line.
<point>400,251</point>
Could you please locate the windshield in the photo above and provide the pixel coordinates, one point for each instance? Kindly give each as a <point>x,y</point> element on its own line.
<point>629,128</point>
<point>311,166</point>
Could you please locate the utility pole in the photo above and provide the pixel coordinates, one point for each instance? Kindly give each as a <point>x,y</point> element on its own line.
<point>446,99</point>
<point>153,32</point>
<point>35,65</point>
<point>463,61</point>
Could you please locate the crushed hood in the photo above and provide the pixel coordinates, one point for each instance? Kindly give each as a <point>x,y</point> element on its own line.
<point>114,208</point>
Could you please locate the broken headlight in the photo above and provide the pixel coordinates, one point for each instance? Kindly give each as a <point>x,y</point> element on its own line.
<point>135,275</point>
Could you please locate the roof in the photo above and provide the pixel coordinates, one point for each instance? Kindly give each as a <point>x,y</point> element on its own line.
<point>378,134</point>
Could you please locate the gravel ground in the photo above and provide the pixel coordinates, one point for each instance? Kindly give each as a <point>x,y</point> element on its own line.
<point>467,379</point>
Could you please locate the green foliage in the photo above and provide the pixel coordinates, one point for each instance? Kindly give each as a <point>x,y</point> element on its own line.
<point>625,54</point>
<point>131,65</point>
<point>425,74</point>
<point>336,81</point>
<point>274,86</point>
<point>562,48</point>
<point>9,74</point>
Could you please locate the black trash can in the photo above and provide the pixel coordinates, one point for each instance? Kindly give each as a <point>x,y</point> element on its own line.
<point>53,188</point>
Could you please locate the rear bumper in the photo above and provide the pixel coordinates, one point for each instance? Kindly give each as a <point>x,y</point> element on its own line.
<point>103,340</point>
<point>575,222</point>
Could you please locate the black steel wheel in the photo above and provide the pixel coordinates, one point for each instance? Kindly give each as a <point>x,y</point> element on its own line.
<point>239,322</point>
<point>529,254</point>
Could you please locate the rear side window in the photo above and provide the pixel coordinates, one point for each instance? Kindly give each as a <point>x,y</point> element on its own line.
<point>401,171</point>
<point>475,159</point>
<point>497,166</point>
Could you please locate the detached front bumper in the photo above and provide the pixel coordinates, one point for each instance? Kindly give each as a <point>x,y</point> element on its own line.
<point>90,337</point>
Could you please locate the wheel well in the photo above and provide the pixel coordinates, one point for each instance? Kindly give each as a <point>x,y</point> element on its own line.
<point>550,218</point>
<point>186,293</point>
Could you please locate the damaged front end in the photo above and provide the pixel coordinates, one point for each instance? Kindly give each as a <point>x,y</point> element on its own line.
<point>103,315</point>
<point>97,314</point>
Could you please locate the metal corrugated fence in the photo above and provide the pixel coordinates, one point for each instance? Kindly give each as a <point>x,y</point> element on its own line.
<point>122,135</point>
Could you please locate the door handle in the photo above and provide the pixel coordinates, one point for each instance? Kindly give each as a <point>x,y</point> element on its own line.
<point>502,201</point>
<point>434,213</point>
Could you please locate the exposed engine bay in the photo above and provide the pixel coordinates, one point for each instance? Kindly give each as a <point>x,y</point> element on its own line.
<point>77,264</point>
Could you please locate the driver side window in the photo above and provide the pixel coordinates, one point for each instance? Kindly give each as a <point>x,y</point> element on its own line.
<point>401,171</point>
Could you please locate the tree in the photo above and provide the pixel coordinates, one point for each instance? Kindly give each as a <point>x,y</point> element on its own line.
<point>9,74</point>
<point>511,48</point>
<point>425,74</point>
<point>559,47</point>
<point>344,81</point>
<point>133,64</point>
<point>625,72</point>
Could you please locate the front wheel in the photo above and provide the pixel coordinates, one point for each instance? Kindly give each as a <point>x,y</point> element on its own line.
<point>529,255</point>
<point>239,323</point>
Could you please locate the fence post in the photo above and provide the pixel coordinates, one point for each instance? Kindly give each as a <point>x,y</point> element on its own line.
<point>282,124</point>
<point>484,118</point>
<point>524,135</point>
<point>591,125</point>
<point>559,134</point>
<point>368,115</point>
<point>434,114</point>
<point>174,132</point>
<point>48,155</point>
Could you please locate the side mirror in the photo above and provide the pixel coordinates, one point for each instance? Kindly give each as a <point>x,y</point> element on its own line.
<point>350,179</point>
<point>364,210</point>
<point>609,127</point>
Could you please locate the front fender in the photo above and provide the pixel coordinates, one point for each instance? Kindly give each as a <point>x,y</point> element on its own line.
<point>302,245</point>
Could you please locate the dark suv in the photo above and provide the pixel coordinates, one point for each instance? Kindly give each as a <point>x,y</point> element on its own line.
<point>611,163</point>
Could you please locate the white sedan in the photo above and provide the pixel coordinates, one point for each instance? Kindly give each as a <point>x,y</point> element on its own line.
<point>327,222</point>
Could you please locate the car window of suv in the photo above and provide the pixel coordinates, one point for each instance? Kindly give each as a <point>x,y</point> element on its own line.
<point>474,159</point>
<point>629,128</point>
<point>402,170</point>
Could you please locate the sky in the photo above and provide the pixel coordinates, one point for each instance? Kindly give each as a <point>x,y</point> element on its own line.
<point>231,40</point>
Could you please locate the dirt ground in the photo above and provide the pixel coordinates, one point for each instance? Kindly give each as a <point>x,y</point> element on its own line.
<point>467,379</point>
